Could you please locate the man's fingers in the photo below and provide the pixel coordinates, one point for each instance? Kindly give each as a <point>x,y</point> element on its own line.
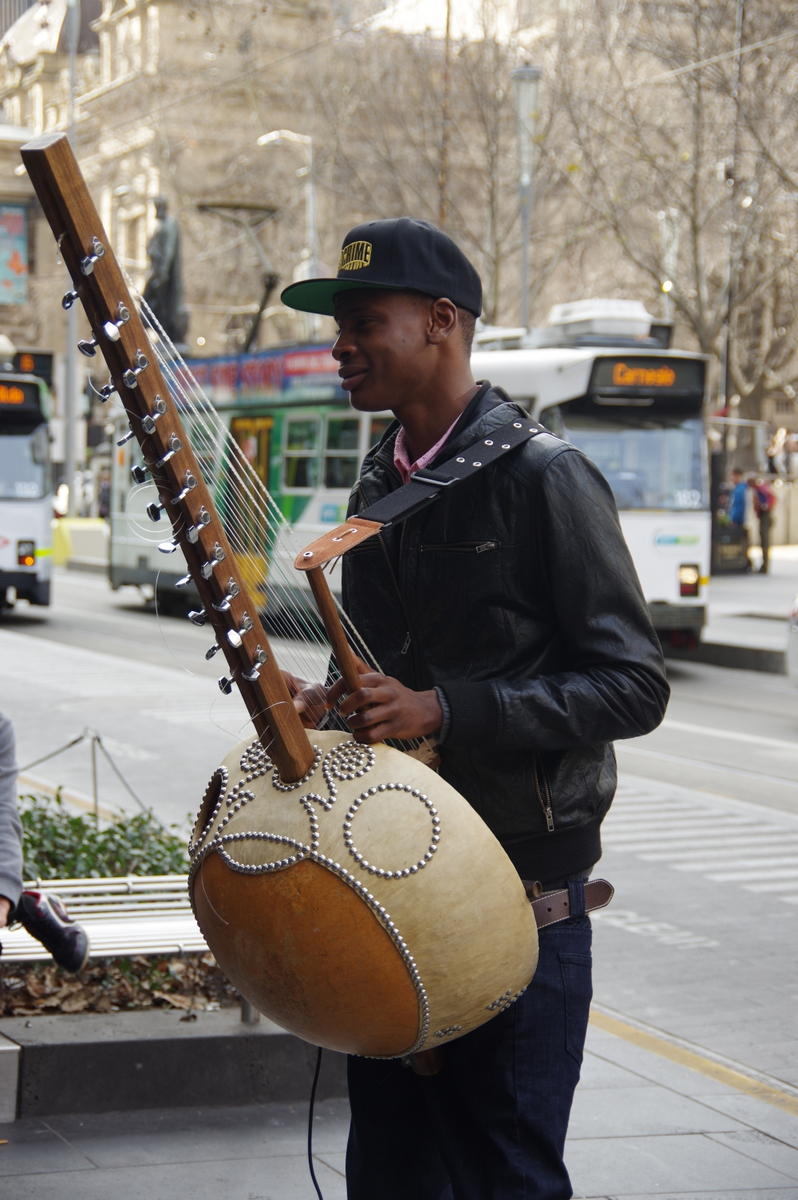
<point>339,691</point>
<point>355,702</point>
<point>311,704</point>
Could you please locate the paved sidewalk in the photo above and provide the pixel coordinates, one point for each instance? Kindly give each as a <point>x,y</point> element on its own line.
<point>652,1118</point>
<point>747,616</point>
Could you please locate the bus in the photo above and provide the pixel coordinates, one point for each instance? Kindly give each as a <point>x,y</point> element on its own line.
<point>637,408</point>
<point>634,406</point>
<point>26,490</point>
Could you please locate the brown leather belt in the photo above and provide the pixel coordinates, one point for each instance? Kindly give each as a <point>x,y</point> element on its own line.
<point>555,906</point>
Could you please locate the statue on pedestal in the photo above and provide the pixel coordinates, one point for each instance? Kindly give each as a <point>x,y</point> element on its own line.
<point>164,288</point>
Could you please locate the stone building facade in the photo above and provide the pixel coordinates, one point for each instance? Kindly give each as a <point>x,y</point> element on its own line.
<point>168,98</point>
<point>162,98</point>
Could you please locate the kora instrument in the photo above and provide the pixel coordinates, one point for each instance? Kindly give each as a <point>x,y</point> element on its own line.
<point>347,891</point>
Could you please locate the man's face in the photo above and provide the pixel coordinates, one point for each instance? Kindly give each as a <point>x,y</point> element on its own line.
<point>382,347</point>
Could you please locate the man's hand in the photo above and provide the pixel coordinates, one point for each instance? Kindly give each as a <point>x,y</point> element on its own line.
<point>310,700</point>
<point>382,707</point>
<point>5,909</point>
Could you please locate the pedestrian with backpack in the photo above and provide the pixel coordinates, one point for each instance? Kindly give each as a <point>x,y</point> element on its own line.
<point>764,502</point>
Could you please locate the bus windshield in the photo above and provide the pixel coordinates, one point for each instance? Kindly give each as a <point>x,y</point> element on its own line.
<point>650,460</point>
<point>24,471</point>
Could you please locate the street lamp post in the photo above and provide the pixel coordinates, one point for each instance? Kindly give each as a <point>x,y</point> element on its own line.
<point>310,256</point>
<point>669,231</point>
<point>526,80</point>
<point>70,397</point>
<point>278,137</point>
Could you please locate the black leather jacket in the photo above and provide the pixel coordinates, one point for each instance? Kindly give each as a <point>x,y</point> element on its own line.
<point>515,594</point>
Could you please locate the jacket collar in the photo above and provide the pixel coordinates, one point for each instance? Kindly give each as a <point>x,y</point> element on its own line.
<point>488,408</point>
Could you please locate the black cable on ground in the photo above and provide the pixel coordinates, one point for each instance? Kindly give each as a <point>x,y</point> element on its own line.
<point>311,1106</point>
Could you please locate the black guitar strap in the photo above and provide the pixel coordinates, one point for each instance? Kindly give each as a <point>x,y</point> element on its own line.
<point>426,485</point>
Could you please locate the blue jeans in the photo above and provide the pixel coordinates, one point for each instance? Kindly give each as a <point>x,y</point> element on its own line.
<point>491,1125</point>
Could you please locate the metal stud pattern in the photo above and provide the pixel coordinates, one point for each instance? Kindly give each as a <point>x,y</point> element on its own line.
<point>402,872</point>
<point>504,1001</point>
<point>218,781</point>
<point>281,786</point>
<point>255,761</point>
<point>345,761</point>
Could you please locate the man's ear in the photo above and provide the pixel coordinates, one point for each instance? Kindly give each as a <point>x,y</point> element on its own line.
<point>443,320</point>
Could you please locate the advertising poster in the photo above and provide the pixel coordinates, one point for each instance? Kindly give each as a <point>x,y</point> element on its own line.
<point>13,254</point>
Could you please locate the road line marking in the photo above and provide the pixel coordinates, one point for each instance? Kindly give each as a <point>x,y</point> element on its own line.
<point>705,764</point>
<point>784,886</point>
<point>753,851</point>
<point>688,834</point>
<point>658,1043</point>
<point>689,830</point>
<point>672,849</point>
<point>645,823</point>
<point>716,861</point>
<point>749,876</point>
<point>738,835</point>
<point>730,734</point>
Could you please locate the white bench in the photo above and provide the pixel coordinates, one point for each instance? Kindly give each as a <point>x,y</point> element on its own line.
<point>123,916</point>
<point>128,915</point>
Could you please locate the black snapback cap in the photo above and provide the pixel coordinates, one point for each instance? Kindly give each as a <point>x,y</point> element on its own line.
<point>400,254</point>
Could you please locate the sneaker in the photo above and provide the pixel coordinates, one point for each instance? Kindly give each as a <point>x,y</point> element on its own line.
<point>46,919</point>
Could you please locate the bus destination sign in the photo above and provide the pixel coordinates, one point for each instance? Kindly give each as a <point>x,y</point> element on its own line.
<point>633,373</point>
<point>19,397</point>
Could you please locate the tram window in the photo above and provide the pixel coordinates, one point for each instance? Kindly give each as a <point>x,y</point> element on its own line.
<point>301,434</point>
<point>342,433</point>
<point>340,472</point>
<point>340,463</point>
<point>300,458</point>
<point>253,436</point>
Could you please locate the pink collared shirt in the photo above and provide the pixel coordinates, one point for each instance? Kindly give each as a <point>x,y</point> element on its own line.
<point>401,456</point>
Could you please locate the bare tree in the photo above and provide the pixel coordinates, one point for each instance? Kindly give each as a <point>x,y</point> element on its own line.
<point>682,113</point>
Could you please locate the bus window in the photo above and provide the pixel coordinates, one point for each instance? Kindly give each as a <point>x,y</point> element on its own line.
<point>300,456</point>
<point>40,445</point>
<point>23,466</point>
<point>341,452</point>
<point>649,461</point>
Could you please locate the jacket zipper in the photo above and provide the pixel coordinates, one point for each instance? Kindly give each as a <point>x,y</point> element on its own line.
<point>544,795</point>
<point>460,547</point>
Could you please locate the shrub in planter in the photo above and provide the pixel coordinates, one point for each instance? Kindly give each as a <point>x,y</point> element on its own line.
<point>59,844</point>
